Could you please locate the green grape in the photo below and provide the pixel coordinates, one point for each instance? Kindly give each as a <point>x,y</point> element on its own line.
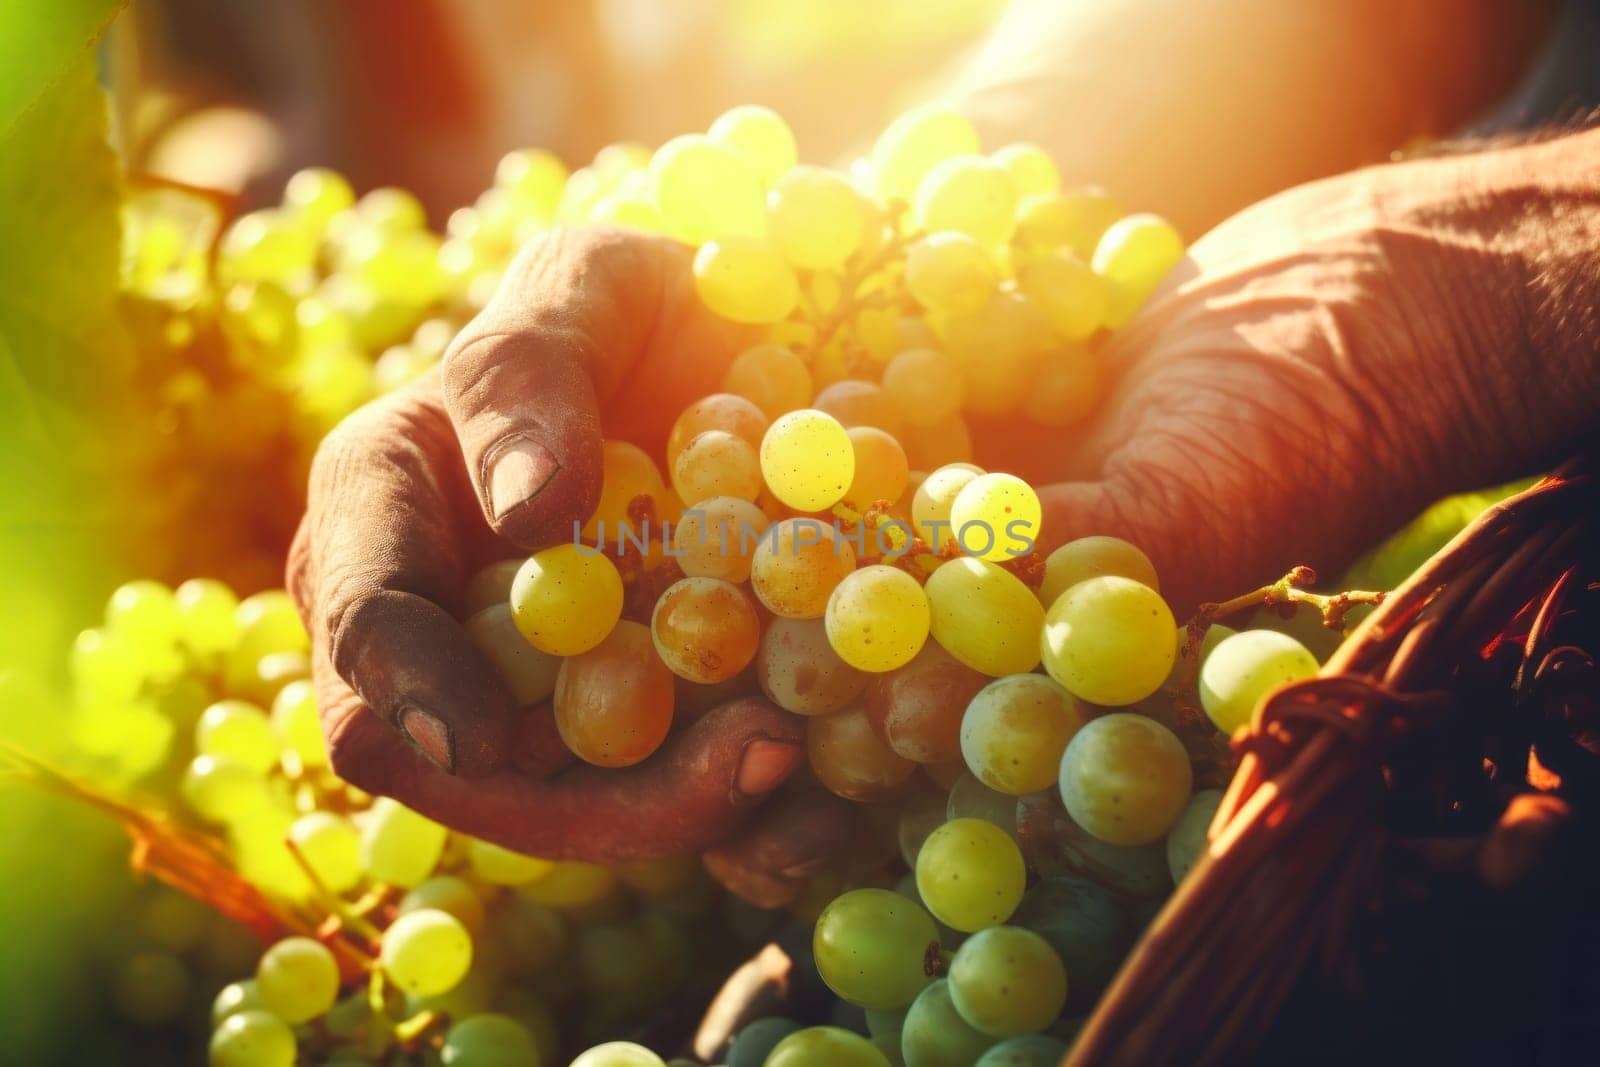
<point>150,988</point>
<point>706,630</point>
<point>870,946</point>
<point>887,1023</point>
<point>398,846</point>
<point>206,615</point>
<point>877,618</point>
<point>1071,295</point>
<point>426,952</point>
<point>632,208</point>
<point>969,798</point>
<point>1072,220</point>
<point>613,704</point>
<point>882,470</point>
<point>969,195</point>
<point>798,565</point>
<point>145,613</point>
<point>914,144</point>
<point>1084,923</point>
<point>492,585</point>
<point>488,1040</point>
<point>317,194</point>
<point>529,674</point>
<point>497,865</point>
<point>222,790</point>
<point>716,538</point>
<point>237,730</point>
<point>252,1039</point>
<point>1029,1050</point>
<point>447,893</point>
<point>1094,557</point>
<point>1133,257</point>
<point>816,217</point>
<point>1125,778</point>
<point>934,499</point>
<point>618,1054</point>
<point>719,411</point>
<point>332,848</point>
<point>717,463</point>
<point>770,376</point>
<point>985,617</point>
<point>807,460</point>
<point>917,709</point>
<point>759,136</point>
<point>267,245</point>
<point>257,839</point>
<point>243,995</point>
<point>1016,729</point>
<point>799,671</point>
<point>849,758</point>
<point>1187,839</point>
<point>920,816</point>
<point>1108,640</point>
<point>1030,168</point>
<point>745,279</point>
<point>105,666</point>
<point>391,208</point>
<point>1247,667</point>
<point>825,1046</point>
<point>935,1034</point>
<point>1006,981</point>
<point>706,192</point>
<point>296,725</point>
<point>996,517</point>
<point>755,1041</point>
<point>298,979</point>
<point>565,600</point>
<point>926,384</point>
<point>950,273</point>
<point>533,179</point>
<point>268,623</point>
<point>970,874</point>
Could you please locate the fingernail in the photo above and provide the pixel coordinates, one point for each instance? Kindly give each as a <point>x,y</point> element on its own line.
<point>431,736</point>
<point>519,470</point>
<point>764,765</point>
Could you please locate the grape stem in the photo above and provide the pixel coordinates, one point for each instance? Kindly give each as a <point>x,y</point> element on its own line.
<point>851,302</point>
<point>1286,592</point>
<point>340,915</point>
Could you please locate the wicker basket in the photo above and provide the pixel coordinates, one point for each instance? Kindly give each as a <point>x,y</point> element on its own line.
<point>1349,909</point>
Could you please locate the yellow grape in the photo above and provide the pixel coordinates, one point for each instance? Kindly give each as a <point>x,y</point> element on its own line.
<point>970,874</point>
<point>1133,257</point>
<point>1125,779</point>
<point>618,1054</point>
<point>627,472</point>
<point>571,884</point>
<point>297,979</point>
<point>926,385</point>
<point>717,463</point>
<point>950,272</point>
<point>1071,295</point>
<point>986,618</point>
<point>770,376</point>
<point>317,194</point>
<point>816,217</point>
<point>399,846</point>
<point>935,497</point>
<point>1065,388</point>
<point>705,629</point>
<point>849,758</point>
<point>759,136</point>
<point>239,731</point>
<point>331,847</point>
<point>222,790</point>
<point>807,460</point>
<point>1016,729</point>
<point>1072,220</point>
<point>860,403</point>
<point>1109,640</point>
<point>1030,168</point>
<point>566,600</point>
<point>613,702</point>
<point>498,865</point>
<point>914,144</point>
<point>798,669</point>
<point>969,195</point>
<point>996,517</point>
<point>529,674</point>
<point>745,279</point>
<point>881,467</point>
<point>533,179</point>
<point>719,411</point>
<point>798,564</point>
<point>716,538</point>
<point>1092,557</point>
<point>296,723</point>
<point>705,191</point>
<point>632,209</point>
<point>877,618</point>
<point>426,952</point>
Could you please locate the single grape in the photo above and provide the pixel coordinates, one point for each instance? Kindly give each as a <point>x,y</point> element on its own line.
<point>1016,729</point>
<point>705,191</point>
<point>243,995</point>
<point>298,979</point>
<point>488,1040</point>
<point>1030,168</point>
<point>816,217</point>
<point>807,460</point>
<point>925,384</point>
<point>950,273</point>
<point>144,612</point>
<point>719,411</point>
<point>985,617</point>
<point>881,467</point>
<point>392,208</point>
<point>426,952</point>
<point>532,179</point>
<point>252,1039</point>
<point>1247,667</point>
<point>857,403</point>
<point>799,671</point>
<point>770,376</point>
<point>317,194</point>
<point>206,615</point>
<point>969,798</point>
<point>1187,839</point>
<point>613,703</point>
<point>797,566</point>
<point>850,760</point>
<point>331,846</point>
<point>618,1054</point>
<point>222,790</point>
<point>745,279</point>
<point>1108,640</point>
<point>1069,293</point>
<point>877,618</point>
<point>996,517</point>
<point>398,846</point>
<point>935,1034</point>
<point>870,946</point>
<point>755,1041</point>
<point>1006,981</point>
<point>529,674</point>
<point>715,538</point>
<point>239,731</point>
<point>706,630</point>
<point>759,136</point>
<point>970,874</point>
<point>627,473</point>
<point>565,600</point>
<point>914,144</point>
<point>717,463</point>
<point>1029,1050</point>
<point>1133,256</point>
<point>825,1046</point>
<point>1125,778</point>
<point>447,893</point>
<point>498,865</point>
<point>970,195</point>
<point>921,814</point>
<point>1071,220</point>
<point>917,709</point>
<point>106,666</point>
<point>1094,557</point>
<point>1084,923</point>
<point>935,498</point>
<point>296,724</point>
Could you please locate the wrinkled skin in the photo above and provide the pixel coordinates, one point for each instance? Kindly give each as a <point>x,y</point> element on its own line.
<point>1322,364</point>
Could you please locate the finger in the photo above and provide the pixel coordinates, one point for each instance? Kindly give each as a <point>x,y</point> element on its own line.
<point>378,557</point>
<point>771,863</point>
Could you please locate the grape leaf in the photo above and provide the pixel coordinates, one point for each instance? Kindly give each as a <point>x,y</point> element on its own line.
<point>38,40</point>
